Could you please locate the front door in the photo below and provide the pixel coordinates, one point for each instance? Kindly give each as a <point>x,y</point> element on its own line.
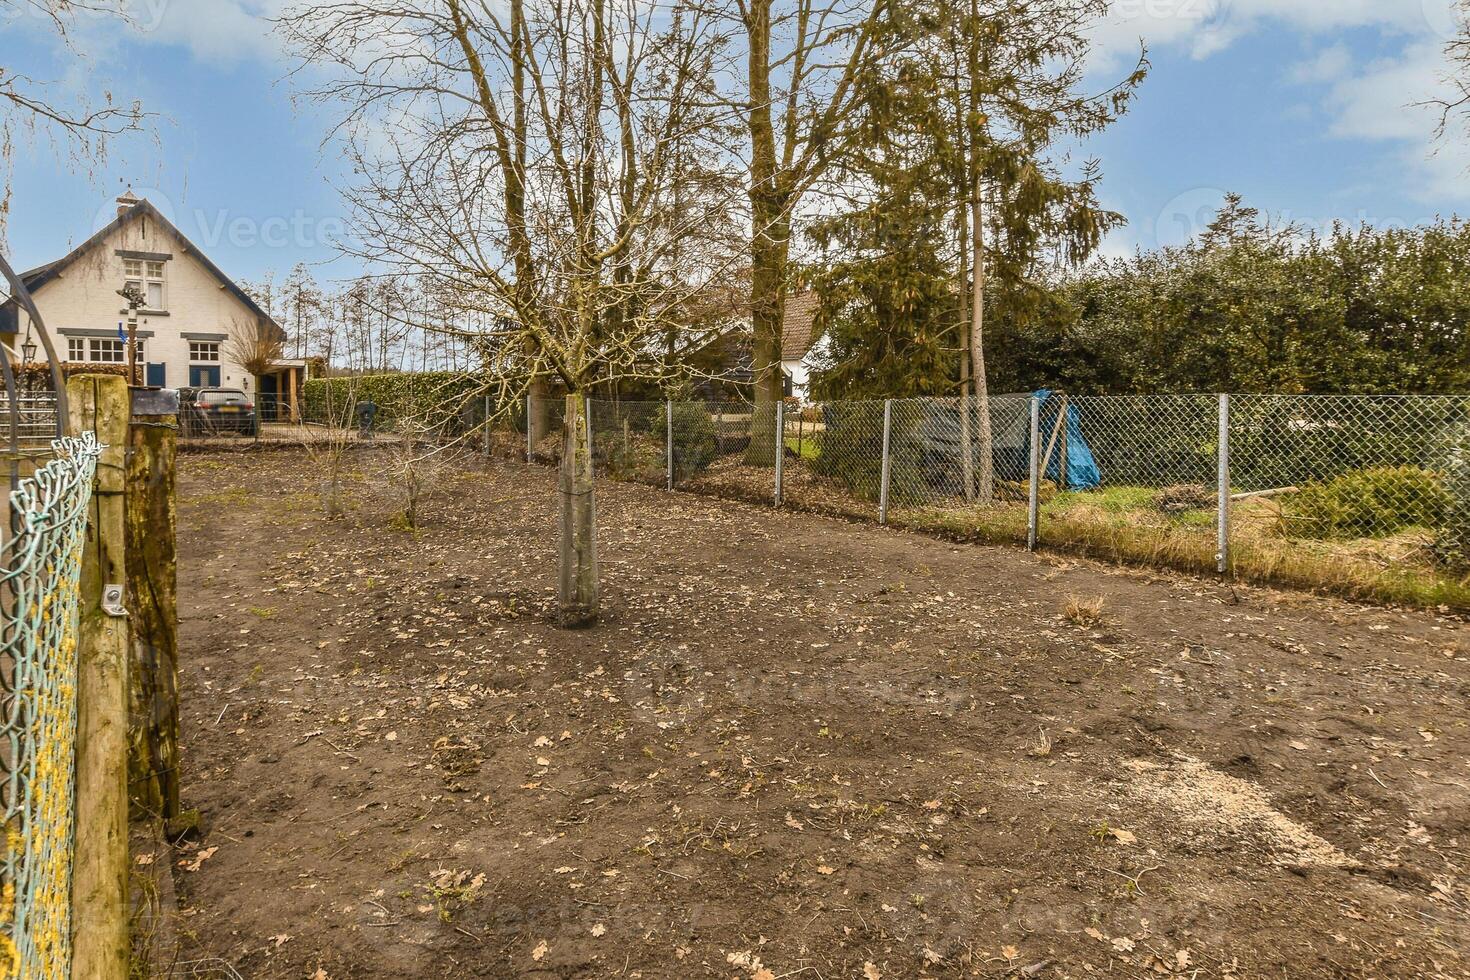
<point>203,376</point>
<point>157,375</point>
<point>269,397</point>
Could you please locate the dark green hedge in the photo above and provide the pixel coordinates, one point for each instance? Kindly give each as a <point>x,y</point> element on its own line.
<point>446,401</point>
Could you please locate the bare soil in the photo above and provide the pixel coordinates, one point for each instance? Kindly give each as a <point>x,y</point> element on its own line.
<point>794,747</point>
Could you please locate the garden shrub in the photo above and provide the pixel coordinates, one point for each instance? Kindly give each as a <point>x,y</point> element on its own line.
<point>441,401</point>
<point>695,443</point>
<point>1453,545</point>
<point>850,450</point>
<point>1372,502</point>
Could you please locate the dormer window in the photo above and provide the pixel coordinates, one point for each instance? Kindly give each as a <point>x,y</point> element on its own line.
<point>147,276</point>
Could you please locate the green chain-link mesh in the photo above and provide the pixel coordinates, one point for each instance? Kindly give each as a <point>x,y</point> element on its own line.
<point>39,573</point>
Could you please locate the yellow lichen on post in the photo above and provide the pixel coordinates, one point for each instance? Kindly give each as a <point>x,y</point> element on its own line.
<point>99,926</point>
<point>152,566</point>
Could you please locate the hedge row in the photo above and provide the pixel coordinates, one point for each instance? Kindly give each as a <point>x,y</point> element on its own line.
<point>445,401</point>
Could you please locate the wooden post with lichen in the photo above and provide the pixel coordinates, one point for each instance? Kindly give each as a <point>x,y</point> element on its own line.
<point>99,923</point>
<point>152,563</point>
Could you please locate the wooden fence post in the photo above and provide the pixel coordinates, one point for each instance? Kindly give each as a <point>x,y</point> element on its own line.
<point>152,562</point>
<point>99,923</point>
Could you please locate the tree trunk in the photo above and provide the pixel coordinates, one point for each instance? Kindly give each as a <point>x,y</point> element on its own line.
<point>770,238</point>
<point>967,404</point>
<point>767,313</point>
<point>539,417</point>
<point>985,475</point>
<point>579,587</point>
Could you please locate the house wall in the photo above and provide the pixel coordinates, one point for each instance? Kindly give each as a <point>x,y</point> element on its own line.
<point>84,297</point>
<point>800,373</point>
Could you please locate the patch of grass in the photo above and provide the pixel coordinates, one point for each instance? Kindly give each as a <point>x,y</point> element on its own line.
<point>805,448</point>
<point>1124,524</point>
<point>454,891</point>
<point>264,612</point>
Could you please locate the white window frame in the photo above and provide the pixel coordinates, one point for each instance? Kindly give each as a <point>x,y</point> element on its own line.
<point>76,349</point>
<point>204,352</point>
<point>103,350</point>
<point>145,274</point>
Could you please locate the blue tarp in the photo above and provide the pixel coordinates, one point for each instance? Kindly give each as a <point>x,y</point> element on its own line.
<point>1082,471</point>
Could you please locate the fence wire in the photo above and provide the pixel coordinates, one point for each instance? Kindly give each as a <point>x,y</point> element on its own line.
<point>1352,491</point>
<point>1152,489</point>
<point>1339,472</point>
<point>629,440</point>
<point>38,671</point>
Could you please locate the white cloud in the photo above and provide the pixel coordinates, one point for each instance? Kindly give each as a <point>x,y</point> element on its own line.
<point>1380,101</point>
<point>1329,65</point>
<point>1390,100</point>
<point>213,31</point>
<point>1206,27</point>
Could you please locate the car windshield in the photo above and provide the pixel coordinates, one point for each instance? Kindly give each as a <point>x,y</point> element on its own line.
<point>223,397</point>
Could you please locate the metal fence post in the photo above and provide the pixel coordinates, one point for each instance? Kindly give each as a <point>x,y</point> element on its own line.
<point>887,441</point>
<point>669,452</point>
<point>780,445</point>
<point>1033,503</point>
<point>1222,554</point>
<point>530,425</point>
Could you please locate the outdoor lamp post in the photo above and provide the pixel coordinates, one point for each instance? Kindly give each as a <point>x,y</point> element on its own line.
<point>136,300</point>
<point>27,358</point>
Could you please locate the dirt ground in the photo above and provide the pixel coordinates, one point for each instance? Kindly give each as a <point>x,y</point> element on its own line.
<point>794,747</point>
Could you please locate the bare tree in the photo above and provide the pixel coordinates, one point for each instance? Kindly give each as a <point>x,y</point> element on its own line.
<point>81,128</point>
<point>420,459</point>
<point>255,345</point>
<point>328,442</point>
<point>801,60</point>
<point>518,159</point>
<point>1456,105</point>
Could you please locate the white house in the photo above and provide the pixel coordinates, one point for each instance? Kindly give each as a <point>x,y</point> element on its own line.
<point>184,329</point>
<point>798,345</point>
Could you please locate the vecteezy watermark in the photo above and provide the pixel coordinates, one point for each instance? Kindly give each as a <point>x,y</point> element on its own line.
<point>210,229</point>
<point>1189,215</point>
<point>1186,216</point>
<point>296,230</point>
<point>142,15</point>
<point>1199,12</point>
<point>1444,17</point>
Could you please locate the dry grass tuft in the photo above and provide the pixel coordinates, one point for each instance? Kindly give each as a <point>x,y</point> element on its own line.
<point>1087,613</point>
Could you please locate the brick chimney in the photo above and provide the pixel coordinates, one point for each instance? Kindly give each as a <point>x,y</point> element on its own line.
<point>127,202</point>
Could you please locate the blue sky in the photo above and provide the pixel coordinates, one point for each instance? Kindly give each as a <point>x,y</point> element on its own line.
<point>1303,106</point>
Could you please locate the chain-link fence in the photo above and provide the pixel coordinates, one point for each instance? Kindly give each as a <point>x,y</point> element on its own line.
<point>629,440</point>
<point>1354,489</point>
<point>1367,493</point>
<point>38,719</point>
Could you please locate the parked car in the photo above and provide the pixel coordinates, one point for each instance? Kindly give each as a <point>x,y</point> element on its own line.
<point>210,411</point>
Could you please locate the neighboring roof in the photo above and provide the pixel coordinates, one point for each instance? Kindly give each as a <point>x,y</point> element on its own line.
<point>41,275</point>
<point>796,329</point>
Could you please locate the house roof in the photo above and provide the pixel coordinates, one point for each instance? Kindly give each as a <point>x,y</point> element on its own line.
<point>38,277</point>
<point>797,336</point>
